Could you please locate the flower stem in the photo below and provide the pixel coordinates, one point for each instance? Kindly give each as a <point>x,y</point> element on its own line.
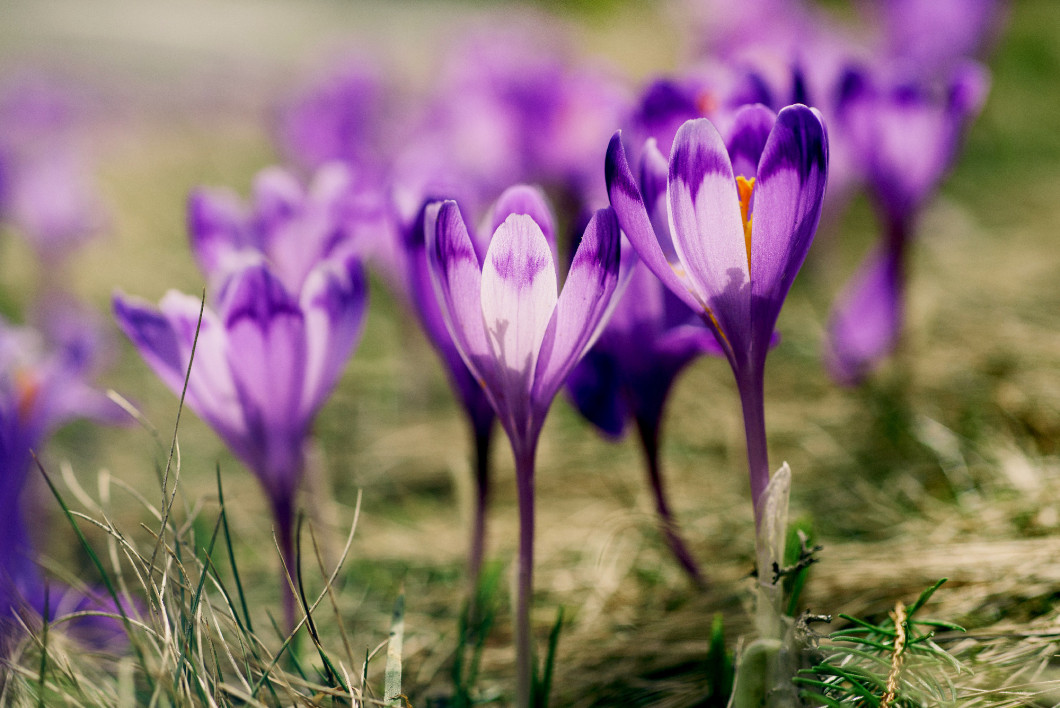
<point>752,400</point>
<point>524,478</point>
<point>283,513</point>
<point>482,439</point>
<point>649,438</point>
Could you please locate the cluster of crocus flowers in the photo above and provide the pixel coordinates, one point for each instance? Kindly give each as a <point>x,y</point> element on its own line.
<point>41,388</point>
<point>282,318</point>
<point>520,337</point>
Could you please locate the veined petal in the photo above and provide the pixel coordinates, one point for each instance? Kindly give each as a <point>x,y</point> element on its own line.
<point>786,209</point>
<point>334,300</point>
<point>707,227</point>
<point>457,277</point>
<point>266,351</point>
<point>523,199</point>
<point>747,138</point>
<point>518,300</point>
<point>633,217</point>
<point>583,306</point>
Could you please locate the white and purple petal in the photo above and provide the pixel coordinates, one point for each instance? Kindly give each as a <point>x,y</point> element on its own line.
<point>707,227</point>
<point>457,276</point>
<point>633,217</point>
<point>333,300</point>
<point>518,300</point>
<point>523,199</point>
<point>786,210</point>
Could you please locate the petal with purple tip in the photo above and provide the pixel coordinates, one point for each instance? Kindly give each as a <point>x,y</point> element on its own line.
<point>747,138</point>
<point>334,300</point>
<point>707,228</point>
<point>583,306</point>
<point>523,199</point>
<point>786,209</point>
<point>457,277</point>
<point>633,217</point>
<point>218,224</point>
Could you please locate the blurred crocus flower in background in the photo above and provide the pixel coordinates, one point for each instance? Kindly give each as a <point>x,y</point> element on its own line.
<point>43,386</point>
<point>906,134</point>
<point>935,35</point>
<point>285,314</point>
<point>47,191</point>
<point>627,375</point>
<point>520,337</point>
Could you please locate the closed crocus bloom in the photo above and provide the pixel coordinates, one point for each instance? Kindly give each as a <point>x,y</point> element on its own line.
<point>266,358</point>
<point>742,214</point>
<point>904,136</point>
<point>520,337</point>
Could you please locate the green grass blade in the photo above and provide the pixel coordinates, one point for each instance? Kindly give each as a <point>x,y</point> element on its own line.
<point>392,694</point>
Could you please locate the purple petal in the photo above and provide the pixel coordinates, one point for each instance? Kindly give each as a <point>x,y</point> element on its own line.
<point>457,277</point>
<point>266,352</point>
<point>523,199</point>
<point>582,309</point>
<point>277,197</point>
<point>595,387</point>
<point>334,300</point>
<point>218,223</point>
<point>654,171</point>
<point>707,227</point>
<point>747,138</point>
<point>518,299</point>
<point>153,336</point>
<point>786,209</point>
<point>865,325</point>
<point>633,217</point>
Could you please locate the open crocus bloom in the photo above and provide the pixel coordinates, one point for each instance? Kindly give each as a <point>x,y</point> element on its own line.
<point>519,335</point>
<point>742,214</point>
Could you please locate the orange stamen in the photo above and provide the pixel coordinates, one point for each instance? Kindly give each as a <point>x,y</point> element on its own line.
<point>744,188</point>
<point>27,387</point>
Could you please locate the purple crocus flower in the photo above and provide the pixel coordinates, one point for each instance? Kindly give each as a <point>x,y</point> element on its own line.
<point>627,375</point>
<point>742,214</point>
<point>936,35</point>
<point>41,389</point>
<point>46,188</point>
<point>271,343</point>
<point>520,338</point>
<point>905,135</point>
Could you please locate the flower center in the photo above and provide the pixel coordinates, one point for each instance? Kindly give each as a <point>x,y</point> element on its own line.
<point>745,187</point>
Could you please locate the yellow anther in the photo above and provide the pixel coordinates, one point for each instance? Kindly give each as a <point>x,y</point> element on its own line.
<point>744,187</point>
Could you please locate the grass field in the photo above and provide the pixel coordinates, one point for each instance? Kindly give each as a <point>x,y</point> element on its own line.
<point>945,465</point>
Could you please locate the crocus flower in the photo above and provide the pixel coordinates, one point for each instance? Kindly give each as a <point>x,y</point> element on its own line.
<point>905,136</point>
<point>936,35</point>
<point>270,346</point>
<point>520,338</point>
<point>46,188</point>
<point>41,389</point>
<point>742,214</point>
<point>628,373</point>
